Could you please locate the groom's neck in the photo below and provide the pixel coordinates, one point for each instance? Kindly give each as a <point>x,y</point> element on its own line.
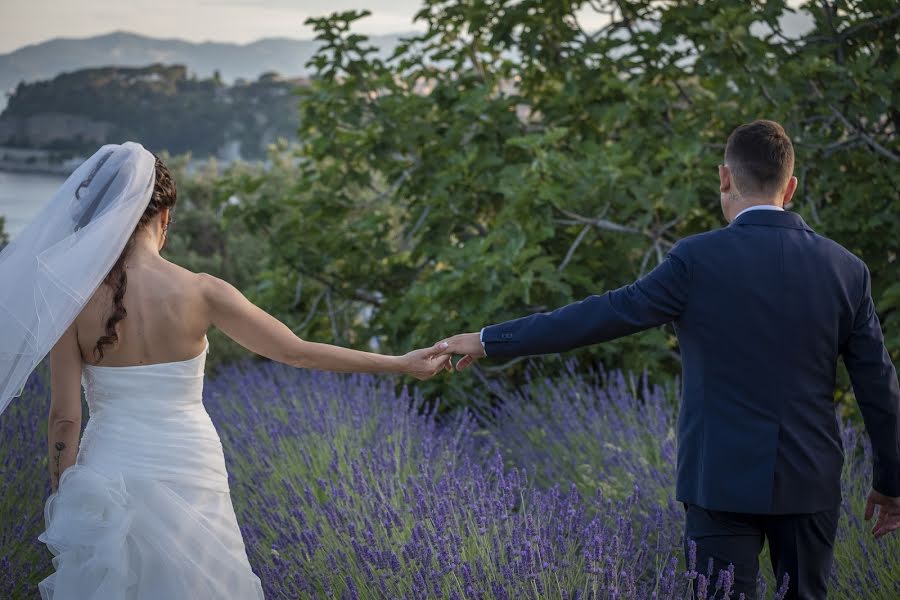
<point>740,205</point>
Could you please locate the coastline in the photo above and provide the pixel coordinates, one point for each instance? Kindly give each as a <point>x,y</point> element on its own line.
<point>37,162</point>
<point>61,170</point>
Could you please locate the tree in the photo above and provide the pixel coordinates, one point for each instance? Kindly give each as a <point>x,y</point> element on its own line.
<point>508,160</point>
<point>160,105</point>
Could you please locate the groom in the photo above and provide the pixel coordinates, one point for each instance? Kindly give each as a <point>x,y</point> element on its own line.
<point>762,308</point>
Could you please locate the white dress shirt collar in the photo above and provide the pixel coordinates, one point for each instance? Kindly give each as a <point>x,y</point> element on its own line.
<point>759,207</point>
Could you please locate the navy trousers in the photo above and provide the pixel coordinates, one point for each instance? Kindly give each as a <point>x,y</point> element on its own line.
<point>800,545</point>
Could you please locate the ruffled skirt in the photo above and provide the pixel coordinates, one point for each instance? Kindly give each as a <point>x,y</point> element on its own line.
<point>121,537</point>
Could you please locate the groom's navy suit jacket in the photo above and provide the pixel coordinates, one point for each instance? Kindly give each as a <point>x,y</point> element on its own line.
<point>762,308</point>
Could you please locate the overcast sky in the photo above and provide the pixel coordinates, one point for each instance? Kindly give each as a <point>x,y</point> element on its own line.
<point>25,22</point>
<point>30,21</point>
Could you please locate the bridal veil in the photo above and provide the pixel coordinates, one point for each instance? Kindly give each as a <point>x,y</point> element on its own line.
<point>52,268</point>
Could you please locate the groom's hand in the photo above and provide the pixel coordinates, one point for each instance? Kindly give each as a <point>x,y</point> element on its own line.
<point>466,344</point>
<point>888,513</point>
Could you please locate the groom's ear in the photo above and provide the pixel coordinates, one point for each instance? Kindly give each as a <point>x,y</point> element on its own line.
<point>724,179</point>
<point>789,191</point>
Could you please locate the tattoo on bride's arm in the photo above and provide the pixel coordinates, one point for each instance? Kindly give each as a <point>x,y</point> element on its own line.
<point>60,446</point>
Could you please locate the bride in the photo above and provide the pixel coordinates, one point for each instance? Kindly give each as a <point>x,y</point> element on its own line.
<point>141,507</point>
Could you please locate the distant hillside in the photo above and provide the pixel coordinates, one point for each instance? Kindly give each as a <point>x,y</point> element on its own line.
<point>160,106</point>
<point>248,61</point>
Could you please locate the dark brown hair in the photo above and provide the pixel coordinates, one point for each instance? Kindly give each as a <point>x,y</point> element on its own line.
<point>761,158</point>
<point>164,196</point>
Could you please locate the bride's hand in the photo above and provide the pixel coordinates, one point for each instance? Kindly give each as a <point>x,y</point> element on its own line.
<point>425,363</point>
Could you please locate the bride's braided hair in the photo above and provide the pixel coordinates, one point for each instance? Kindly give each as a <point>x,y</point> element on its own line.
<point>164,196</point>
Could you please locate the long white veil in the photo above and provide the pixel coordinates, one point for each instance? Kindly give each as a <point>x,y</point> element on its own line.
<point>53,267</point>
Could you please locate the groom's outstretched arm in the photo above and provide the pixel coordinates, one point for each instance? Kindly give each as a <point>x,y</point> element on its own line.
<point>657,298</point>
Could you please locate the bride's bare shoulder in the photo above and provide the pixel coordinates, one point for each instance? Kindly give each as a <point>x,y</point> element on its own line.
<point>215,291</point>
<point>162,278</point>
<point>190,281</point>
<point>210,285</point>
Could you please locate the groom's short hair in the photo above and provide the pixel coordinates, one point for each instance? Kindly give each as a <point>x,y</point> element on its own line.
<point>760,156</point>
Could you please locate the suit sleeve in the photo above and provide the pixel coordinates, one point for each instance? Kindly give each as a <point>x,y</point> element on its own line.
<point>875,385</point>
<point>657,298</point>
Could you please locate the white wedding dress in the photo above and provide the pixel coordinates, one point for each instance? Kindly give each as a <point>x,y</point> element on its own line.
<point>145,512</point>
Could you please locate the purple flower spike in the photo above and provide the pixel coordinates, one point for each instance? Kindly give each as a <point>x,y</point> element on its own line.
<point>351,487</point>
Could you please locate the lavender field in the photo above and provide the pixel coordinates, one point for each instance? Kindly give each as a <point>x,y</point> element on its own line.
<point>346,488</point>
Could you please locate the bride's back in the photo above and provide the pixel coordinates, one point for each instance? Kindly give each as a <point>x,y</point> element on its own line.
<point>166,316</point>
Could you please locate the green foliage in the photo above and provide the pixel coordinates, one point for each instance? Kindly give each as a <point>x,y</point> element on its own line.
<point>507,161</point>
<point>4,237</point>
<point>160,105</point>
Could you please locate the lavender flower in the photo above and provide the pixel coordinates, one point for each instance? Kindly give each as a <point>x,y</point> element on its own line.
<point>346,487</point>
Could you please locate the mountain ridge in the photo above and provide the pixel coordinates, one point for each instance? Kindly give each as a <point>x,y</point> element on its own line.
<point>45,60</point>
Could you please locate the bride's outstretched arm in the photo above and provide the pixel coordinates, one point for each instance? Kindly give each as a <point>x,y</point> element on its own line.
<point>64,421</point>
<point>260,332</point>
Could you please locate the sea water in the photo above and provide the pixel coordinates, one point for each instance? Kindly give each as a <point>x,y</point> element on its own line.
<point>22,195</point>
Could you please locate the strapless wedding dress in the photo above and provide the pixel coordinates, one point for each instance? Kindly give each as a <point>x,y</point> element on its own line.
<point>145,512</point>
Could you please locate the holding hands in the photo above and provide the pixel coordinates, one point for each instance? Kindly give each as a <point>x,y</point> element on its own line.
<point>468,345</point>
<point>425,363</point>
